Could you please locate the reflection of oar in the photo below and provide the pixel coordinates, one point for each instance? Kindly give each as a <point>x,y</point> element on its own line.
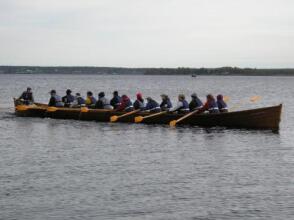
<point>141,118</point>
<point>173,123</point>
<point>253,99</point>
<point>226,98</point>
<point>114,118</point>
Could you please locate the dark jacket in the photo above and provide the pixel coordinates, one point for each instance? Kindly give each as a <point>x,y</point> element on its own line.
<point>166,104</point>
<point>27,97</point>
<point>67,100</point>
<point>80,100</point>
<point>115,101</point>
<point>222,106</point>
<point>139,104</point>
<point>195,104</point>
<point>152,106</point>
<point>55,101</point>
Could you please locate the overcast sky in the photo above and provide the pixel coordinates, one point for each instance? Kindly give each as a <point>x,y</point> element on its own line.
<point>147,33</point>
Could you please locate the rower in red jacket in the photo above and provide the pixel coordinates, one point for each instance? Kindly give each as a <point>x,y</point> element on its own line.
<point>126,104</point>
<point>210,105</point>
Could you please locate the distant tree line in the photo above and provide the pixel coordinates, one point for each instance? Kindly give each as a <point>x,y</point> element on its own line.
<point>145,71</point>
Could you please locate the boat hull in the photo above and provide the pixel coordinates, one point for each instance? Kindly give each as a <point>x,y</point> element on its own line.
<point>261,118</point>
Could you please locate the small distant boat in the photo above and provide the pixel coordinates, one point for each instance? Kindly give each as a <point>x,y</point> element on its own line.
<point>260,118</point>
<point>194,75</point>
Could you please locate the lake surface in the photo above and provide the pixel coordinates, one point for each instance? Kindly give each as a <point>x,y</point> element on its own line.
<point>63,169</point>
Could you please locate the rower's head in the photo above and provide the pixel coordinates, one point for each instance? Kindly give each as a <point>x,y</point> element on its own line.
<point>101,94</point>
<point>125,97</point>
<point>220,97</point>
<point>29,89</point>
<point>78,94</point>
<point>164,96</point>
<point>181,97</point>
<point>89,93</point>
<point>209,97</point>
<point>52,92</point>
<point>194,96</point>
<point>68,92</point>
<point>139,96</point>
<point>115,93</point>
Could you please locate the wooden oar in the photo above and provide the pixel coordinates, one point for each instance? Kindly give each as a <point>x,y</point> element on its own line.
<point>139,119</point>
<point>173,123</point>
<point>114,118</point>
<point>226,98</point>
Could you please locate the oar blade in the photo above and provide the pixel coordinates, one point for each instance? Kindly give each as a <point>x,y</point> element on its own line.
<point>113,118</point>
<point>226,98</point>
<point>51,109</point>
<point>173,123</point>
<point>139,119</point>
<point>255,98</point>
<point>84,109</point>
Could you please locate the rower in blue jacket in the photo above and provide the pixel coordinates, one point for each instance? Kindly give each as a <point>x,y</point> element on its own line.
<point>182,105</point>
<point>152,105</point>
<point>55,99</point>
<point>222,105</point>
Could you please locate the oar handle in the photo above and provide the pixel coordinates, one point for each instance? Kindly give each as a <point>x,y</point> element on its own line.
<point>156,114</point>
<point>129,113</point>
<point>187,115</point>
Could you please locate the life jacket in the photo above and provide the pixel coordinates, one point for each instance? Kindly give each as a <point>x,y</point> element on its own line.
<point>185,106</point>
<point>91,100</point>
<point>212,107</point>
<point>152,106</point>
<point>58,101</point>
<point>222,105</point>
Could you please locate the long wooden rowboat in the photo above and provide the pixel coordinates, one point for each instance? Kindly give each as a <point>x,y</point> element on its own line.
<point>260,118</point>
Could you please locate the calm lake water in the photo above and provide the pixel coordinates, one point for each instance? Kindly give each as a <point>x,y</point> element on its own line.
<point>63,169</point>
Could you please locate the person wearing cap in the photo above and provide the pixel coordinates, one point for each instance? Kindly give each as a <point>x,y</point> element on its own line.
<point>90,100</point>
<point>166,103</point>
<point>126,104</point>
<point>79,100</point>
<point>152,106</point>
<point>182,105</point>
<point>210,105</point>
<point>68,99</point>
<point>55,99</point>
<point>139,103</point>
<point>222,105</point>
<point>103,103</point>
<point>27,97</point>
<point>195,103</point>
<point>115,101</point>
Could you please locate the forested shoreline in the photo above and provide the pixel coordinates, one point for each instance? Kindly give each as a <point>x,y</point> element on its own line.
<point>145,71</point>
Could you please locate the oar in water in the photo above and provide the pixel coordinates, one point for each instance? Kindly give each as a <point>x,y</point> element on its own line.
<point>115,118</point>
<point>173,123</point>
<point>139,119</point>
